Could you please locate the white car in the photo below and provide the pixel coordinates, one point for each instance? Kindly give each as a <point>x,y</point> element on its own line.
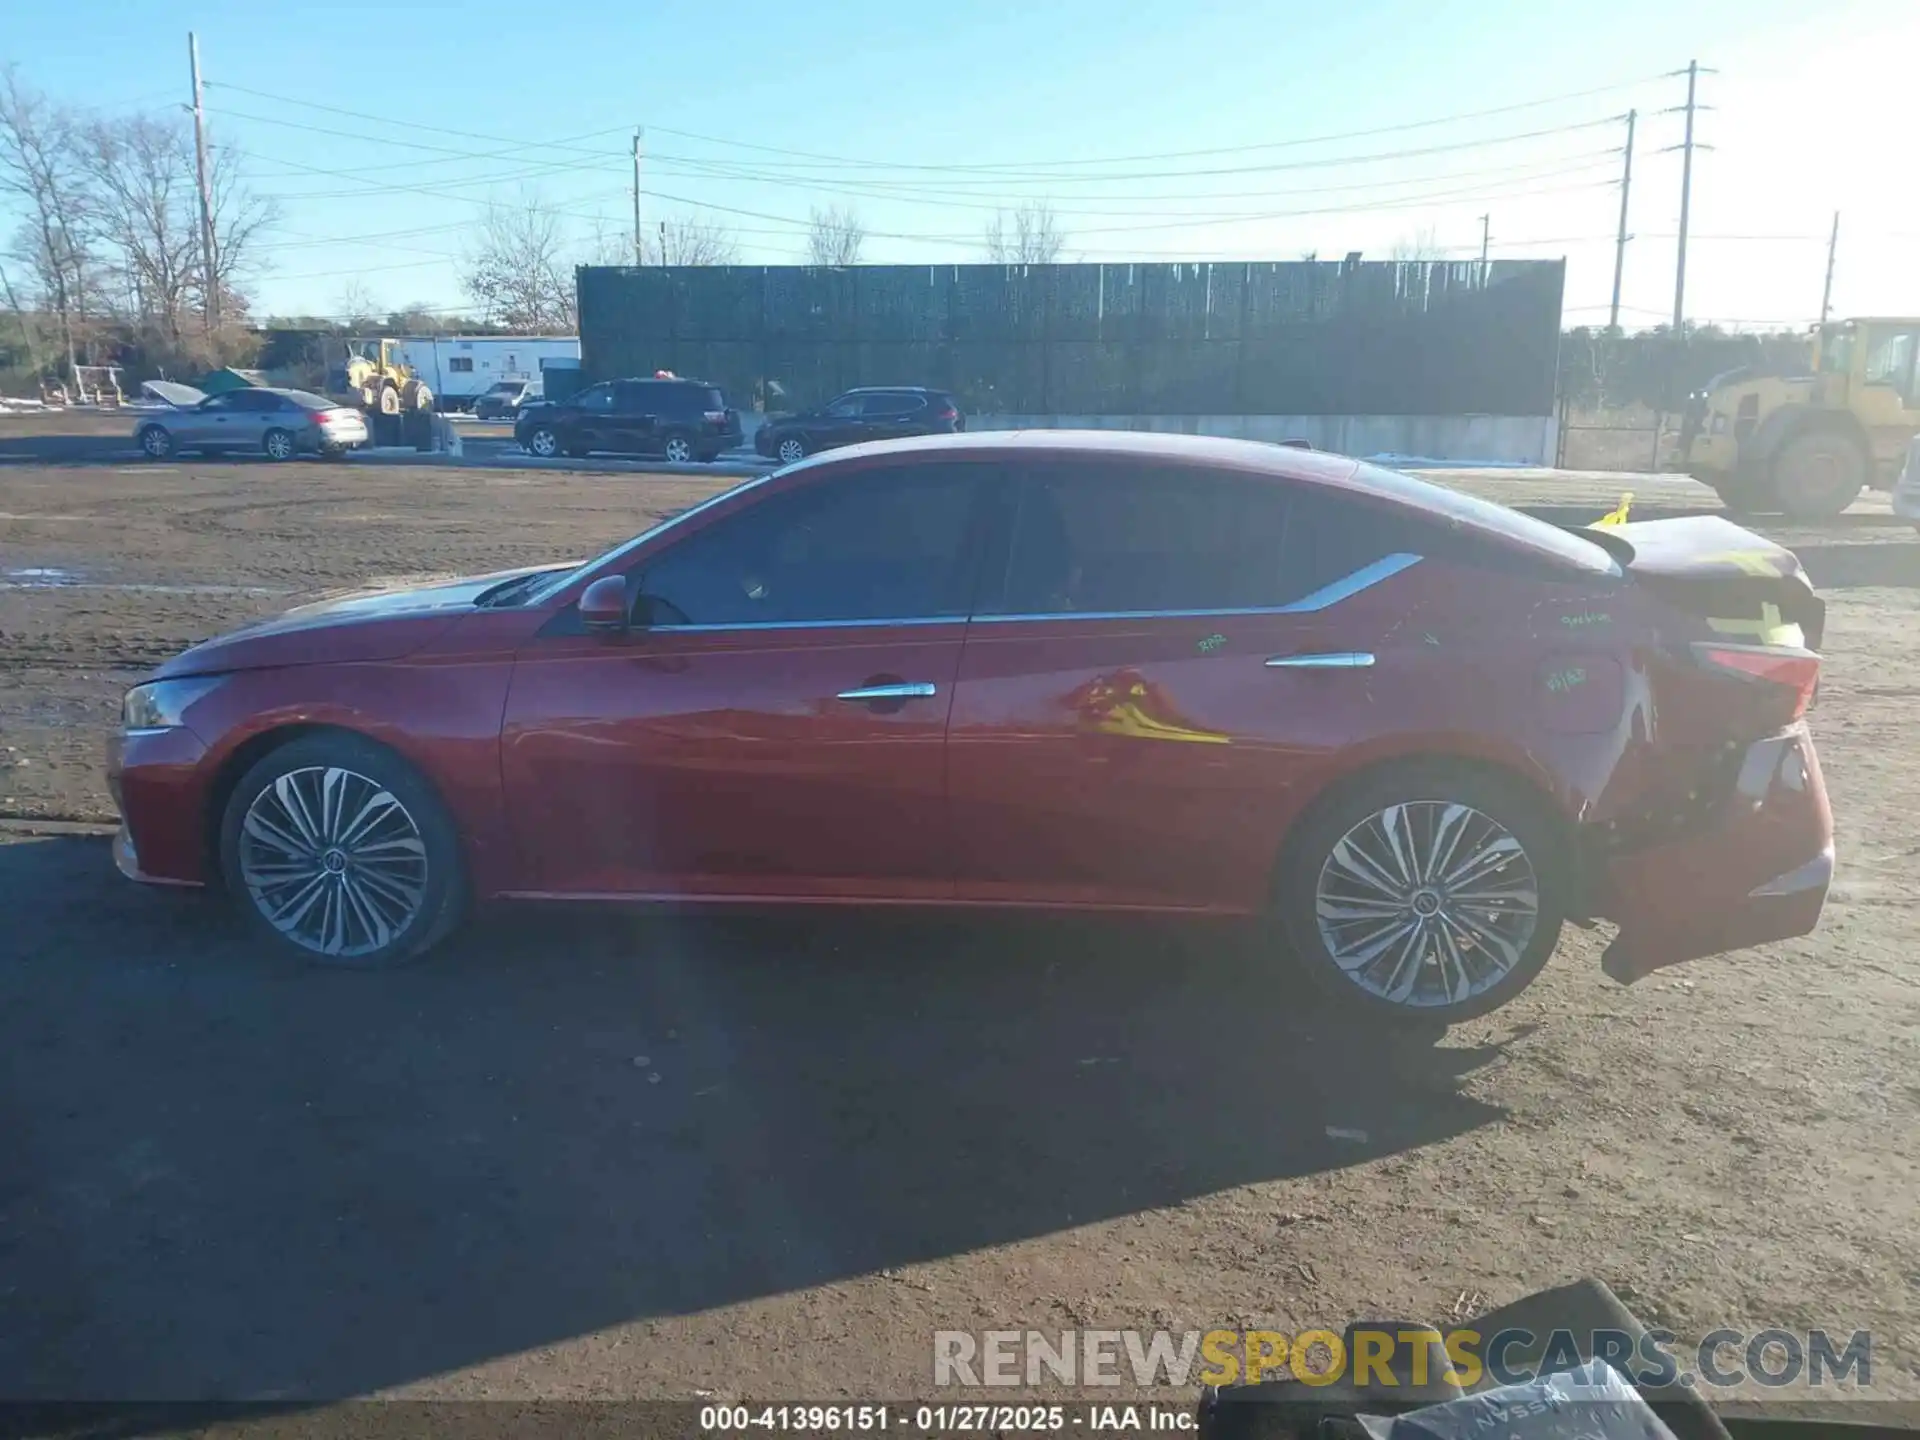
<point>1906,490</point>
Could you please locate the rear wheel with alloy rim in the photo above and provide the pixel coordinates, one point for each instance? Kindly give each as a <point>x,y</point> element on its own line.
<point>340,852</point>
<point>278,444</point>
<point>1420,893</point>
<point>679,449</point>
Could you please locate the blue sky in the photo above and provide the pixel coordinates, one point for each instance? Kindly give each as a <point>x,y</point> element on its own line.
<point>934,115</point>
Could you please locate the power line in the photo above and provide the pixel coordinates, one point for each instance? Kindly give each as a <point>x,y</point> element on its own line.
<point>1172,154</point>
<point>989,168</point>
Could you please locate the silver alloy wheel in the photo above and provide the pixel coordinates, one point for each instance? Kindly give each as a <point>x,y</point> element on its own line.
<point>1427,903</point>
<point>333,861</point>
<point>156,441</point>
<point>279,445</point>
<point>544,443</point>
<point>679,450</point>
<point>792,450</point>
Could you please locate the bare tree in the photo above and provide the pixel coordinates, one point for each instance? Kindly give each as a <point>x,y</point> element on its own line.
<point>1030,235</point>
<point>517,273</point>
<point>353,305</point>
<point>241,217</point>
<point>139,171</point>
<point>38,166</point>
<point>607,244</point>
<point>1422,245</point>
<point>835,237</point>
<point>691,242</point>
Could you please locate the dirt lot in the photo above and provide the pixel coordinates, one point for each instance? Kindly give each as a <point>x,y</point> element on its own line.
<point>593,1156</point>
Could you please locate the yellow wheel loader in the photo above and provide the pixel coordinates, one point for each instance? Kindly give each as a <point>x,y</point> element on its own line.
<point>380,385</point>
<point>1806,445</point>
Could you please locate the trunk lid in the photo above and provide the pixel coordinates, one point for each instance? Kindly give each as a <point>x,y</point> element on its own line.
<point>1742,585</point>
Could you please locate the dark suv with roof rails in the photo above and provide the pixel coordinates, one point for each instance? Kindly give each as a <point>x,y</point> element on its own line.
<point>666,416</point>
<point>872,412</point>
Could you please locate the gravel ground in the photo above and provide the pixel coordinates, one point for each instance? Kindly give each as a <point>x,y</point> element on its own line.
<point>592,1156</point>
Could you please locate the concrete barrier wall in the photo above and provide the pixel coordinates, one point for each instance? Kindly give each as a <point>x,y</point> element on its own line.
<point>1461,439</point>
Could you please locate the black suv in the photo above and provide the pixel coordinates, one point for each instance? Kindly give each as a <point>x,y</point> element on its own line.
<point>665,416</point>
<point>870,413</point>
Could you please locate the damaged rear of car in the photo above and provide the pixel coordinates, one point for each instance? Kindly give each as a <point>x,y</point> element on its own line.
<point>1714,833</point>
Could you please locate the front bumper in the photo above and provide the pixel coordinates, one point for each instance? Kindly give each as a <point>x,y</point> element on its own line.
<point>156,779</point>
<point>1758,873</point>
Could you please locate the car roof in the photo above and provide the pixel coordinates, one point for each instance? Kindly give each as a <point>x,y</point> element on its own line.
<point>1255,455</point>
<point>893,390</point>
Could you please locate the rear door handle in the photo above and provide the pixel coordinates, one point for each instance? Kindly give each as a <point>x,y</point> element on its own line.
<point>1329,660</point>
<point>906,690</point>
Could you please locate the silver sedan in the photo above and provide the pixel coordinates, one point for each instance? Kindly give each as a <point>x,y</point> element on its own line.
<point>278,424</point>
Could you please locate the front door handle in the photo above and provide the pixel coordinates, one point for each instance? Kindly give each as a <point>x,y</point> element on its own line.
<point>1328,660</point>
<point>905,690</point>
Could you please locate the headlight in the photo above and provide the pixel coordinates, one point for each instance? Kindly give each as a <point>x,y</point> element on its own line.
<point>160,704</point>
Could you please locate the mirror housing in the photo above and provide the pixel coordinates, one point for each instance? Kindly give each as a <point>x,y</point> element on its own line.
<point>603,605</point>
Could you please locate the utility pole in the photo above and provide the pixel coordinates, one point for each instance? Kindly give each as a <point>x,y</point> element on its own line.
<point>640,254</point>
<point>663,242</point>
<point>1833,248</point>
<point>209,260</point>
<point>1485,235</point>
<point>1692,72</point>
<point>1620,240</point>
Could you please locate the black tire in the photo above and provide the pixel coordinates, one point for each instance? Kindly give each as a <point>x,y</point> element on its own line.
<point>1506,803</point>
<point>375,770</point>
<point>156,442</point>
<point>279,444</point>
<point>1819,473</point>
<point>789,449</point>
<point>544,441</point>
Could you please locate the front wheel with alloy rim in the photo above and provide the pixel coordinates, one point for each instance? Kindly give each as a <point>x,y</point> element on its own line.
<point>156,442</point>
<point>1424,892</point>
<point>340,853</point>
<point>543,441</point>
<point>679,449</point>
<point>791,449</point>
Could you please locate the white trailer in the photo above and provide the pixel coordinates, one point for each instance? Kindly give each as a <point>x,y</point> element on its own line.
<point>461,368</point>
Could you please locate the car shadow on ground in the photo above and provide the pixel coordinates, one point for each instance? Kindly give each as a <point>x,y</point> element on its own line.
<point>230,1177</point>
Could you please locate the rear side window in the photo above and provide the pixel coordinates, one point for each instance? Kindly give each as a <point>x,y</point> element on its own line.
<point>1095,539</point>
<point>874,545</point>
<point>892,404</point>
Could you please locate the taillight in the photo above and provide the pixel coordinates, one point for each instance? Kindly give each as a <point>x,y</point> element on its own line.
<point>1797,672</point>
<point>321,417</point>
<point>716,417</point>
<point>948,413</point>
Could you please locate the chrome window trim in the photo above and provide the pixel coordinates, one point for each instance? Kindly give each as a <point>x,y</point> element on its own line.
<point>1324,598</point>
<point>804,625</point>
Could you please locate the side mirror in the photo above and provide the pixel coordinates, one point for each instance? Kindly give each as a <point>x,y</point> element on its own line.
<point>603,605</point>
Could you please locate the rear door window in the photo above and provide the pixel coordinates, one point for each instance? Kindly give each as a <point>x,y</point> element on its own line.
<point>1092,539</point>
<point>890,406</point>
<point>875,545</point>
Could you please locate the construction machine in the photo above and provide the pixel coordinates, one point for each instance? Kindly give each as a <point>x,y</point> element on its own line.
<point>1807,445</point>
<point>379,383</point>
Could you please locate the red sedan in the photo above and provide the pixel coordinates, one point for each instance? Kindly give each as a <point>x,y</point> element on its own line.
<point>1061,670</point>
